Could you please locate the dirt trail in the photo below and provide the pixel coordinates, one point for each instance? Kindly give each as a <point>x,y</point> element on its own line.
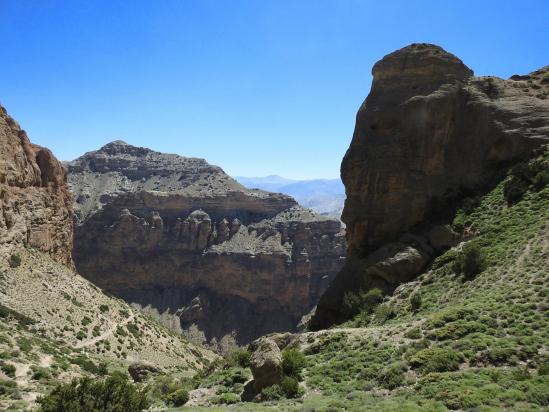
<point>106,334</point>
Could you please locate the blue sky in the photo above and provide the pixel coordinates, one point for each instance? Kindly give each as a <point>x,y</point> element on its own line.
<point>257,87</point>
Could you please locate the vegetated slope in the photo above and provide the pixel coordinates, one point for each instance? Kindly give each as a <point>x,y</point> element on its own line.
<point>179,235</point>
<point>54,324</point>
<point>74,322</point>
<point>457,337</point>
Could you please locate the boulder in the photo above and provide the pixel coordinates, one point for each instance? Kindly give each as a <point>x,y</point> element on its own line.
<point>140,371</point>
<point>265,363</point>
<point>443,237</point>
<point>397,262</point>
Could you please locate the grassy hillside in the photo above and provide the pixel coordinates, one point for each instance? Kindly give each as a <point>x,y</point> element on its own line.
<point>55,325</point>
<point>470,332</point>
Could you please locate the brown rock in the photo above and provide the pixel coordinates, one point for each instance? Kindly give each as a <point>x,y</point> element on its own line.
<point>154,229</point>
<point>265,363</point>
<point>428,134</point>
<point>35,204</point>
<point>443,237</point>
<point>140,371</point>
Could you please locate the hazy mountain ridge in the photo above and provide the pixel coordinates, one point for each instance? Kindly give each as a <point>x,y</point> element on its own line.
<point>324,196</point>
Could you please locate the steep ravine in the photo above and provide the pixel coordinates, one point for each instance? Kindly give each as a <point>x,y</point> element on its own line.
<point>180,235</point>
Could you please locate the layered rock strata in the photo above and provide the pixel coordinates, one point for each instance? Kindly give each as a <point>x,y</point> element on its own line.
<point>180,235</point>
<point>429,134</point>
<point>35,203</point>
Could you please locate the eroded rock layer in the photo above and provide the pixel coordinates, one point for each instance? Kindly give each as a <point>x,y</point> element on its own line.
<point>181,236</point>
<point>428,134</point>
<point>35,203</point>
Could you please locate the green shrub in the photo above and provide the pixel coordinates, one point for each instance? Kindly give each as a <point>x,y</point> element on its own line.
<point>413,333</point>
<point>8,369</point>
<point>228,398</point>
<point>39,373</point>
<point>85,321</point>
<point>354,303</point>
<point>383,313</point>
<point>436,360</point>
<point>9,388</point>
<point>238,357</point>
<point>533,175</point>
<point>469,261</point>
<point>115,393</point>
<point>103,308</point>
<point>290,387</point>
<point>272,393</point>
<point>543,369</point>
<point>15,261</point>
<point>514,189</point>
<point>179,397</point>
<point>293,361</point>
<point>393,376</point>
<point>89,366</point>
<point>415,301</point>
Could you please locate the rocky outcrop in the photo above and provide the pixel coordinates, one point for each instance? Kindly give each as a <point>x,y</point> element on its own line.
<point>180,235</point>
<point>35,203</point>
<point>141,371</point>
<point>265,363</point>
<point>428,134</point>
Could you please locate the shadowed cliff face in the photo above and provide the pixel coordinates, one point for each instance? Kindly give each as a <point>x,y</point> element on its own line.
<point>181,236</point>
<point>428,134</point>
<point>35,204</point>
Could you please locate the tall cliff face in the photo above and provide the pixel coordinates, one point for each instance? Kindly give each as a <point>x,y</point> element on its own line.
<point>428,134</point>
<point>181,236</point>
<point>35,203</point>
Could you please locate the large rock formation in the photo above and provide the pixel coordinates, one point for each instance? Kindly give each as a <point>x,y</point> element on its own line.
<point>35,203</point>
<point>428,134</point>
<point>180,235</point>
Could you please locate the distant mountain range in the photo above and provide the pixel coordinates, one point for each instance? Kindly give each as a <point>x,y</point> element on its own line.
<point>325,196</point>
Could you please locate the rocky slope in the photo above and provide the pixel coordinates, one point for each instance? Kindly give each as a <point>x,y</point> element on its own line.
<point>181,236</point>
<point>35,204</point>
<point>54,324</point>
<point>429,134</point>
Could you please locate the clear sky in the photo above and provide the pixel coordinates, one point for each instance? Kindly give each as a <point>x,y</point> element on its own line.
<point>257,87</point>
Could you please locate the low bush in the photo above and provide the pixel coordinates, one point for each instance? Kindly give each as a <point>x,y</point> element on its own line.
<point>8,369</point>
<point>228,398</point>
<point>293,362</point>
<point>178,397</point>
<point>115,393</point>
<point>393,376</point>
<point>272,393</point>
<point>415,301</point>
<point>290,387</point>
<point>469,261</point>
<point>15,261</point>
<point>238,357</point>
<point>355,303</point>
<point>436,360</point>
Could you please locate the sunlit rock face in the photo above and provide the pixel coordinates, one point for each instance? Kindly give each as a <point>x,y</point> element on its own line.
<point>180,235</point>
<point>35,203</point>
<point>428,134</point>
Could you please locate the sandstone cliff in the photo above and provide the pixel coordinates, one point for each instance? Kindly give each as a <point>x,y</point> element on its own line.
<point>180,235</point>
<point>428,134</point>
<point>35,204</point>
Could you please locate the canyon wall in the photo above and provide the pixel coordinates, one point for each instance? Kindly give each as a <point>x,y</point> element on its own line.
<point>181,236</point>
<point>429,134</point>
<point>35,203</point>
